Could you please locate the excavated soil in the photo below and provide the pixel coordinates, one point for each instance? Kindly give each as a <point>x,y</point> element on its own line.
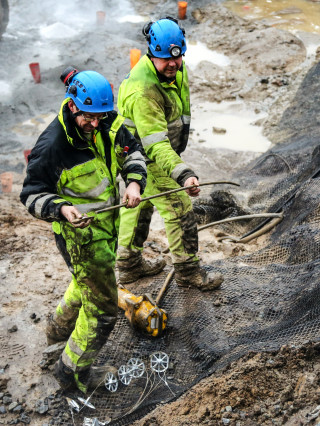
<point>272,388</point>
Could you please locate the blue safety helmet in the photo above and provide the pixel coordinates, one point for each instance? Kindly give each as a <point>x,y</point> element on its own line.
<point>90,91</point>
<point>166,39</point>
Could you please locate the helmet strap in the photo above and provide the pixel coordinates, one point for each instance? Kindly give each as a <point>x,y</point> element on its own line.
<point>76,114</point>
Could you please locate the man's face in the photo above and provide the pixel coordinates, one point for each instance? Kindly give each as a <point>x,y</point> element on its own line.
<point>86,121</point>
<point>167,66</point>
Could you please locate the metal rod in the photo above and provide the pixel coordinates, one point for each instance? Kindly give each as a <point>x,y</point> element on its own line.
<point>162,194</point>
<point>164,286</point>
<point>232,219</point>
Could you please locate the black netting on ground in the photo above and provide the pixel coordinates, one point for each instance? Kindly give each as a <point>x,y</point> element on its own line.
<point>268,298</point>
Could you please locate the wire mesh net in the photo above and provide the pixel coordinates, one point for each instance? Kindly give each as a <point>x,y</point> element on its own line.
<point>269,298</point>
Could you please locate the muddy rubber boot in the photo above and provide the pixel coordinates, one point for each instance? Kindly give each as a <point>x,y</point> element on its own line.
<point>97,376</point>
<point>64,376</point>
<point>55,333</point>
<point>130,270</point>
<point>192,275</point>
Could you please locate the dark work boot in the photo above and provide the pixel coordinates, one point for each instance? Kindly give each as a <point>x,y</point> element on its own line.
<point>55,333</point>
<point>192,275</point>
<point>135,267</point>
<point>64,375</point>
<point>97,375</point>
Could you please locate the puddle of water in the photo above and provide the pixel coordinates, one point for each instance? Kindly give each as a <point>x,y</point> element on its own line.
<point>292,15</point>
<point>197,52</point>
<point>232,117</point>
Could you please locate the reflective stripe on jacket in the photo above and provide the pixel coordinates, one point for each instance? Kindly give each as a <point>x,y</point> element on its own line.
<point>91,185</point>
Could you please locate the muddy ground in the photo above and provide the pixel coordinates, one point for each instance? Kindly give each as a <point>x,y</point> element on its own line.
<point>267,67</point>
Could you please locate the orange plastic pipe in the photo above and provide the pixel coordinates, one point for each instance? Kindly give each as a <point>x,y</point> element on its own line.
<point>35,71</point>
<point>101,15</point>
<point>6,181</point>
<point>26,152</point>
<point>182,9</point>
<point>134,57</point>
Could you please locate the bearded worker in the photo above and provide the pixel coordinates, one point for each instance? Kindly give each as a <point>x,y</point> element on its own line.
<point>154,99</point>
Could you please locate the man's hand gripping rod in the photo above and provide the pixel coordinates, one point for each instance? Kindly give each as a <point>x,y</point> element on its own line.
<point>162,194</point>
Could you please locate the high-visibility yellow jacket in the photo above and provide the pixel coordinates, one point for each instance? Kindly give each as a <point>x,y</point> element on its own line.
<point>158,114</point>
<point>66,168</point>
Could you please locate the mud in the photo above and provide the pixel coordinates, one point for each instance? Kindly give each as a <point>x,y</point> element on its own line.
<point>259,389</point>
<point>267,67</point>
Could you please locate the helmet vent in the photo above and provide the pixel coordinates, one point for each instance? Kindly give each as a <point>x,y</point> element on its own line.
<point>88,101</point>
<point>73,90</point>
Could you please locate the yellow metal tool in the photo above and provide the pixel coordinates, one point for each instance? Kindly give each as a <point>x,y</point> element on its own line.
<point>142,312</point>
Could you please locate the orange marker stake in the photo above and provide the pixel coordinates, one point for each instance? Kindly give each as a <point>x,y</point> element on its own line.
<point>101,16</point>
<point>182,9</point>
<point>6,182</point>
<point>134,57</point>
<point>35,71</point>
<point>26,152</point>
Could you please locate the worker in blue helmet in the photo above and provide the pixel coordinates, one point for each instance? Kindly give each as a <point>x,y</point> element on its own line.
<point>166,39</point>
<point>154,99</point>
<point>72,171</point>
<point>90,92</point>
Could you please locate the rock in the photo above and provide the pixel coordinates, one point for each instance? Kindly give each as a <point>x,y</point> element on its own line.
<point>25,419</point>
<point>3,409</point>
<point>13,329</point>
<point>42,406</point>
<point>44,364</point>
<point>53,352</point>
<point>12,406</point>
<point>219,131</point>
<point>18,409</point>
<point>287,11</point>
<point>198,15</point>
<point>7,400</point>
<point>276,409</point>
